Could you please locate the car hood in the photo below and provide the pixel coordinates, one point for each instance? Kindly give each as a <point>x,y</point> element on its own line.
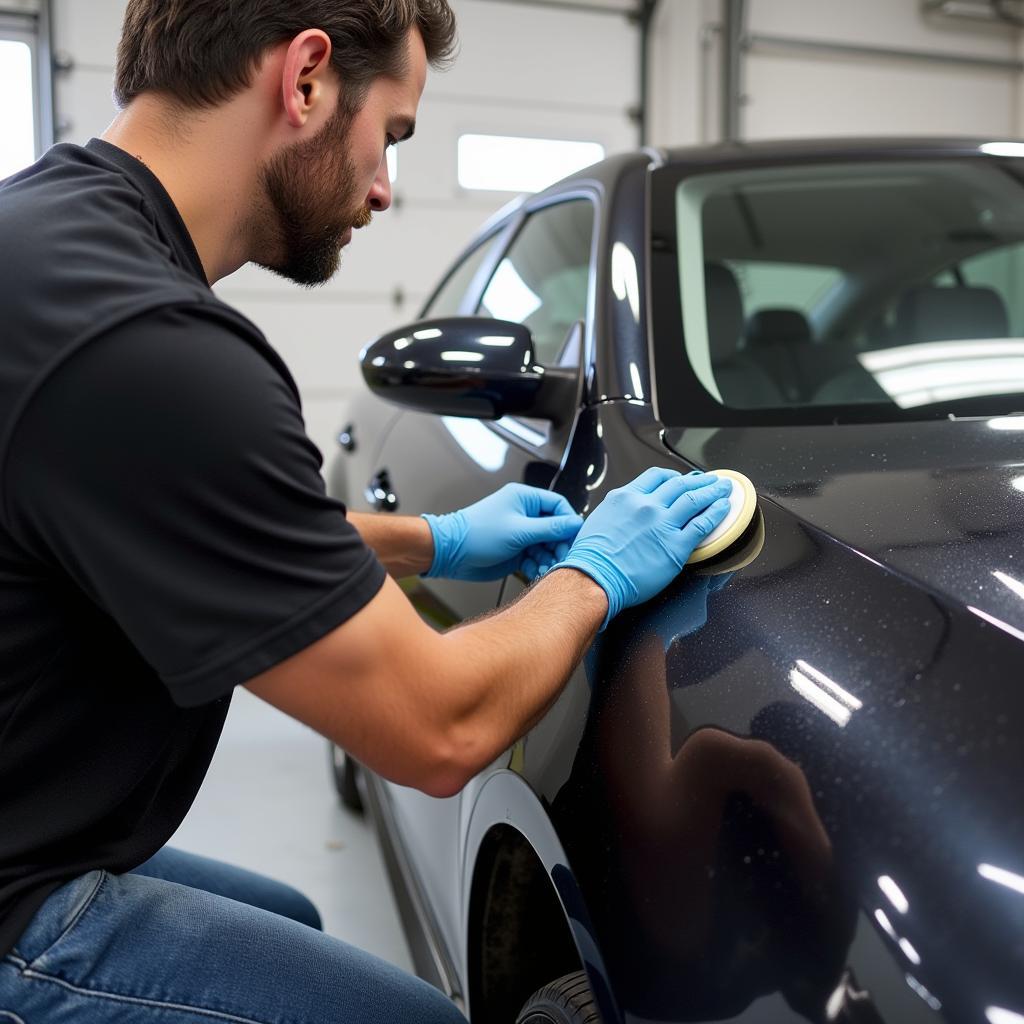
<point>939,502</point>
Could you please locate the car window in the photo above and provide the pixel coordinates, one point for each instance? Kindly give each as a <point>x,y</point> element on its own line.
<point>1001,270</point>
<point>892,284</point>
<point>544,280</point>
<point>768,285</point>
<point>447,300</point>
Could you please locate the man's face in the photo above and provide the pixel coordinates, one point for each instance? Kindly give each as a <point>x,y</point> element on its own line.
<point>320,190</point>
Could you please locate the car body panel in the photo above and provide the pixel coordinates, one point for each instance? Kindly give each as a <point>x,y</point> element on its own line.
<point>957,487</point>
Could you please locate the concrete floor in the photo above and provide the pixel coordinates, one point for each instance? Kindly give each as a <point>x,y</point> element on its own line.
<point>268,804</point>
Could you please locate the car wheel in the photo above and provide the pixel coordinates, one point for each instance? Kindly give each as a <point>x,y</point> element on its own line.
<point>565,1001</point>
<point>345,771</point>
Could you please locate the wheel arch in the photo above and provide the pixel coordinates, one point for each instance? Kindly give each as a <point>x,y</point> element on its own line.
<point>526,920</point>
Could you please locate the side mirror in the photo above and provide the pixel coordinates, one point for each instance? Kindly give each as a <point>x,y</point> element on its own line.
<point>468,366</point>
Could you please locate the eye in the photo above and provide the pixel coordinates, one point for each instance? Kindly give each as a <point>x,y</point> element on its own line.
<point>390,141</point>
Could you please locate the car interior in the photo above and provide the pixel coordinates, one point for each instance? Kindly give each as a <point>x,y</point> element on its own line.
<point>867,322</point>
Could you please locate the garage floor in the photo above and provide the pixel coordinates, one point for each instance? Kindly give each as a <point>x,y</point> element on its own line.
<point>268,805</point>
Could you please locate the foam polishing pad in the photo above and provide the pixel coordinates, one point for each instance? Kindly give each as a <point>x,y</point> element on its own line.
<point>742,506</point>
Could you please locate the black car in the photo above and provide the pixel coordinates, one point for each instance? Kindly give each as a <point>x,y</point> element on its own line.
<point>791,787</point>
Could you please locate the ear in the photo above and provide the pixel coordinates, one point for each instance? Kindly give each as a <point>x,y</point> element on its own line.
<point>307,63</point>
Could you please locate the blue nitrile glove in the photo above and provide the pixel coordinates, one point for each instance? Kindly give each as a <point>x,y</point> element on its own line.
<point>639,538</point>
<point>494,536</point>
<point>541,557</point>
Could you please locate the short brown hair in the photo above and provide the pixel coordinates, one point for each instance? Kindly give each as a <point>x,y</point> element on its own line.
<point>203,52</point>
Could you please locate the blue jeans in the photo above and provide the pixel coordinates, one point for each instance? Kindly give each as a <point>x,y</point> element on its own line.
<point>186,940</point>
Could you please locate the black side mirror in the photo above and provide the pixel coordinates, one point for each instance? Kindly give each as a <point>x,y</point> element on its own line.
<point>468,366</point>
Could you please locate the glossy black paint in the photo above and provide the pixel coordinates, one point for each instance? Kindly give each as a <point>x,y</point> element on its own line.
<point>466,366</point>
<point>779,793</point>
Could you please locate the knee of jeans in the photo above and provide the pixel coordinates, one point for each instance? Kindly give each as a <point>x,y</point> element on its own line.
<point>301,909</point>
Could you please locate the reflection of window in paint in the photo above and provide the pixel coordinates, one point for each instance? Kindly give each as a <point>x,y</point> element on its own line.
<point>17,116</point>
<point>506,164</point>
<point>483,446</point>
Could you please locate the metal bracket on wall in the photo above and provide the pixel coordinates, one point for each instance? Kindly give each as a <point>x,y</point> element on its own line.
<point>47,108</point>
<point>734,20</point>
<point>641,113</point>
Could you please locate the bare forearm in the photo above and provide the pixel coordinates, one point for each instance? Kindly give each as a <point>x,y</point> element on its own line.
<point>430,709</point>
<point>403,544</point>
<point>509,668</point>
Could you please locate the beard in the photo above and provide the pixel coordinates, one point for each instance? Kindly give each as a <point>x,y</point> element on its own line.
<point>312,200</point>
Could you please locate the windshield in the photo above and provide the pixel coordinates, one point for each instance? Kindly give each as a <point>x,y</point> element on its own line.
<point>875,290</point>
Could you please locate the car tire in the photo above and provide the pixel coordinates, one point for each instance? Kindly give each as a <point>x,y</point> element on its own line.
<point>345,771</point>
<point>568,1000</point>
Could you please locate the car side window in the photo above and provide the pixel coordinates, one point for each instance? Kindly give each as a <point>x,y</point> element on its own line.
<point>544,280</point>
<point>447,300</point>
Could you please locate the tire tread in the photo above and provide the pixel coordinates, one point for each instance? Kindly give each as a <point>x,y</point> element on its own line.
<point>566,1000</point>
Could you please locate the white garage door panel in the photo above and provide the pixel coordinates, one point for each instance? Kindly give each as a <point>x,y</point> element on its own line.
<point>879,23</point>
<point>410,248</point>
<point>88,30</point>
<point>320,342</point>
<point>543,55</point>
<point>84,101</point>
<point>814,97</point>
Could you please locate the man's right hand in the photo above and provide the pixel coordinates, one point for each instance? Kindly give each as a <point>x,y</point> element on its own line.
<point>639,538</point>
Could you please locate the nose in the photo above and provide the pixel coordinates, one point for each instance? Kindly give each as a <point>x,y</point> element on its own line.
<point>379,196</point>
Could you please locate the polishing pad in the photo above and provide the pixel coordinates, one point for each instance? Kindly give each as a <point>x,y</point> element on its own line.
<point>742,506</point>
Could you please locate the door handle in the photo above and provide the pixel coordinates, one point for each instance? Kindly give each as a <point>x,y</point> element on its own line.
<point>347,438</point>
<point>380,494</point>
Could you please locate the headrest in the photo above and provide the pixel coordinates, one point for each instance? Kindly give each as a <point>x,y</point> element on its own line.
<point>772,326</point>
<point>725,311</point>
<point>947,314</point>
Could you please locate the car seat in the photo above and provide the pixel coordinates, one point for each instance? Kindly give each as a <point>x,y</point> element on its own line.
<point>742,383</point>
<point>777,339</point>
<point>948,314</point>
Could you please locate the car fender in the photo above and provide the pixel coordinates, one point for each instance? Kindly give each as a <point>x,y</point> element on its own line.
<point>505,799</point>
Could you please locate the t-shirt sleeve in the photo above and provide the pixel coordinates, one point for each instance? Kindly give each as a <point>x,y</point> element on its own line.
<point>166,470</point>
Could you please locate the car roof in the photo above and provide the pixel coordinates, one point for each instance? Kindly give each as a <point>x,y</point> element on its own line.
<point>805,149</point>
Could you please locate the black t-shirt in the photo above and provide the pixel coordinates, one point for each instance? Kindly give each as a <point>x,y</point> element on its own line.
<point>164,530</point>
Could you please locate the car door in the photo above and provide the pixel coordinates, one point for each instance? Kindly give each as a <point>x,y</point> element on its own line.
<point>541,278</point>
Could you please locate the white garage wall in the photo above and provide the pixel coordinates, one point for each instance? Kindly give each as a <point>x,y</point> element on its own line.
<point>796,93</point>
<point>523,70</point>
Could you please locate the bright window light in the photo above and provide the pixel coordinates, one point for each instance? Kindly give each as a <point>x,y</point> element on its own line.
<point>943,371</point>
<point>502,163</point>
<point>17,117</point>
<point>392,164</point>
<point>1003,149</point>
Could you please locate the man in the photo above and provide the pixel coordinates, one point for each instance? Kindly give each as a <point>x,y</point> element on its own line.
<point>165,535</point>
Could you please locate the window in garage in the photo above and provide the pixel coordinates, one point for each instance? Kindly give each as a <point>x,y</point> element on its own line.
<point>17,113</point>
<point>503,163</point>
